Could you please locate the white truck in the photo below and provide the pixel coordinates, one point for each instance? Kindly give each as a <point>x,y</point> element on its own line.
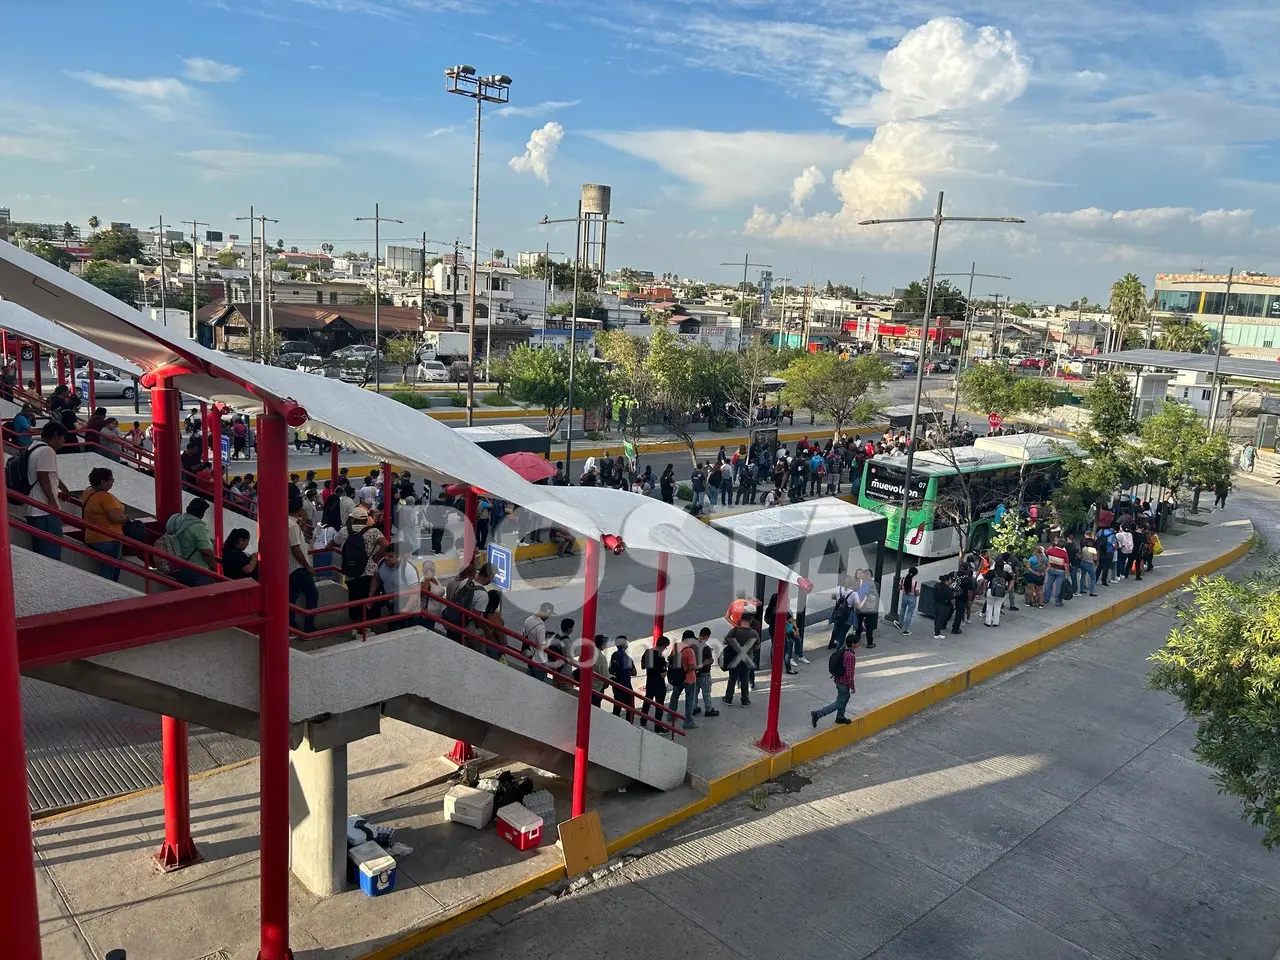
<point>445,347</point>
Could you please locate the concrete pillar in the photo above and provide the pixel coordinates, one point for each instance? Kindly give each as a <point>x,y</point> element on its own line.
<point>318,818</point>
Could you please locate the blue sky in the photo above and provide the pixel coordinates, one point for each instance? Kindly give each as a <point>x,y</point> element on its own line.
<point>1130,134</point>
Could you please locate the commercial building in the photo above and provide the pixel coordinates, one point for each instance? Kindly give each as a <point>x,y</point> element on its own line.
<point>1253,308</point>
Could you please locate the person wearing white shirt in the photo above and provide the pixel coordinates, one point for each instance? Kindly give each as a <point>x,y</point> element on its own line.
<point>536,642</point>
<point>365,494</point>
<point>42,471</point>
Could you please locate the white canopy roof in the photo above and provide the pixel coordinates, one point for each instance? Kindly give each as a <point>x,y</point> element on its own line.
<point>648,524</point>
<point>18,319</point>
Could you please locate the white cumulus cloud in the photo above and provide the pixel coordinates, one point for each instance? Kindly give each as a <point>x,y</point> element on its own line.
<point>803,186</point>
<point>204,70</point>
<point>539,151</point>
<point>157,88</point>
<point>941,76</point>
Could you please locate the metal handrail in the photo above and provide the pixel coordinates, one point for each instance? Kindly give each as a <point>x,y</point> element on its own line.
<point>75,546</point>
<point>452,627</point>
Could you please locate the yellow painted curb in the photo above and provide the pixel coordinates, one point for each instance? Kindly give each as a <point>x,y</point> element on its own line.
<point>821,744</point>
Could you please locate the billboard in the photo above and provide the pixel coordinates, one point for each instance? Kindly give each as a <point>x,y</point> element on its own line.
<point>213,236</point>
<point>404,259</point>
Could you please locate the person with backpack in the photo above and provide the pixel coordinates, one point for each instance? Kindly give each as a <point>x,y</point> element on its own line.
<point>34,473</point>
<point>654,664</point>
<point>682,675</point>
<point>997,590</point>
<point>1106,543</point>
<point>866,607</point>
<point>741,645</point>
<point>706,660</point>
<point>622,670</point>
<point>908,599</point>
<point>841,613</point>
<point>469,592</point>
<point>186,536</point>
<point>361,545</point>
<point>842,664</point>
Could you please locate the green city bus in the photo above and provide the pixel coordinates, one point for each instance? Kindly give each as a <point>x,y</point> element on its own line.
<point>1025,466</point>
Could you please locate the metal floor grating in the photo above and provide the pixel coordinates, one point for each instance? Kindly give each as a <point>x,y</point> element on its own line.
<point>82,748</point>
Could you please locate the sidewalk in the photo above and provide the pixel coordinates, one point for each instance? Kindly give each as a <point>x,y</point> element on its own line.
<point>98,890</point>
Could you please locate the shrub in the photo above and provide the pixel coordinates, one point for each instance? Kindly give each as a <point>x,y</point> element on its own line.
<point>495,398</point>
<point>458,398</point>
<point>684,491</point>
<point>417,401</point>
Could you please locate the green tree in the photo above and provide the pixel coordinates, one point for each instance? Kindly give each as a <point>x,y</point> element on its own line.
<point>673,384</point>
<point>744,308</point>
<point>1109,458</point>
<point>590,306</point>
<point>948,301</point>
<point>1022,310</point>
<point>94,223</point>
<point>1128,309</point>
<point>696,291</point>
<point>1110,405</point>
<point>365,298</point>
<point>843,390</point>
<point>228,259</point>
<point>499,253</point>
<point>1222,662</point>
<point>118,245</point>
<point>994,388</point>
<point>119,282</point>
<point>1184,335</point>
<point>405,352</point>
<point>68,230</point>
<point>58,256</point>
<point>183,300</point>
<point>1176,433</point>
<point>540,376</point>
<point>1013,535</point>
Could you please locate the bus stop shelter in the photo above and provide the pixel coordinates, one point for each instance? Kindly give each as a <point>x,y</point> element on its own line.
<point>802,536</point>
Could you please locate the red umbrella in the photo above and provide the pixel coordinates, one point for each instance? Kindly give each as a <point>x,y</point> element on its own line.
<point>529,465</point>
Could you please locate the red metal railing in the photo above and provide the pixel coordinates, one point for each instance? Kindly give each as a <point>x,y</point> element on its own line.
<point>552,668</point>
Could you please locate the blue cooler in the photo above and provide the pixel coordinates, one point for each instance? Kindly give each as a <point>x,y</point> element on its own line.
<point>372,868</point>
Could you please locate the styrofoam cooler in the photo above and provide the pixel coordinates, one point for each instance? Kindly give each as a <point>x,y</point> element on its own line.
<point>372,868</point>
<point>468,805</point>
<point>519,826</point>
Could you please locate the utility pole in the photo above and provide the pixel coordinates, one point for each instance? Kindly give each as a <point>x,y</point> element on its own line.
<point>195,270</point>
<point>782,314</point>
<point>746,264</point>
<point>253,341</point>
<point>422,291</point>
<point>164,316</point>
<point>937,220</point>
<point>377,219</point>
<point>264,320</point>
<point>964,336</point>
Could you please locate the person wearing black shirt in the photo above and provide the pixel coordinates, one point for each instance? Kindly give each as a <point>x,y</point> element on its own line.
<point>667,484</point>
<point>944,597</point>
<point>236,563</point>
<point>965,586</point>
<point>654,664</point>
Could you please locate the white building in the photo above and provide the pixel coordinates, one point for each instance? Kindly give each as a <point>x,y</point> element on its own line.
<point>1195,389</point>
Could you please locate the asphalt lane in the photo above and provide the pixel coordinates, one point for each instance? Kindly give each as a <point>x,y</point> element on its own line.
<point>1055,812</point>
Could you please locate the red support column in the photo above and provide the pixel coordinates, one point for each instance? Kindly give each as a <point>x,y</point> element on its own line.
<point>213,430</point>
<point>470,505</point>
<point>273,685</point>
<point>62,369</point>
<point>586,663</point>
<point>19,915</point>
<point>771,742</point>
<point>93,389</point>
<point>660,598</point>
<point>35,366</point>
<point>179,848</point>
<point>204,423</point>
<point>388,500</point>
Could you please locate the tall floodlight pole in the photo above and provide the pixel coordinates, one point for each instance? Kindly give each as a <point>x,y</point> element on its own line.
<point>964,336</point>
<point>1214,384</point>
<point>378,219</point>
<point>195,270</point>
<point>495,88</point>
<point>253,348</point>
<point>264,321</point>
<point>937,220</point>
<point>573,328</point>
<point>746,263</point>
<point>164,315</point>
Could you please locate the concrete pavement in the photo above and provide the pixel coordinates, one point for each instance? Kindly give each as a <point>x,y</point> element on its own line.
<point>95,861</point>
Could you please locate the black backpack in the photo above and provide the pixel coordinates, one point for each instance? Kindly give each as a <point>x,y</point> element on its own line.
<point>464,598</point>
<point>835,662</point>
<point>840,614</point>
<point>17,472</point>
<point>675,669</point>
<point>999,588</point>
<point>355,555</point>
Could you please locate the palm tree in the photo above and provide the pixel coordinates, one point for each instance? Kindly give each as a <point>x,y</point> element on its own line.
<point>1128,308</point>
<point>1184,335</point>
<point>93,223</point>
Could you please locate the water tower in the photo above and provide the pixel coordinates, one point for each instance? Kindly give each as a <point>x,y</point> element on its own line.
<point>596,198</point>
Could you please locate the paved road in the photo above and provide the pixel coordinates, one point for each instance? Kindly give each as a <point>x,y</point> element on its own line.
<point>1056,812</point>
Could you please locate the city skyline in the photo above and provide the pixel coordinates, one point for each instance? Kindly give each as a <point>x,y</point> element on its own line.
<point>721,126</point>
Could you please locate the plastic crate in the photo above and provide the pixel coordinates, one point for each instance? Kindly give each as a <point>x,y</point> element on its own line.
<point>519,827</point>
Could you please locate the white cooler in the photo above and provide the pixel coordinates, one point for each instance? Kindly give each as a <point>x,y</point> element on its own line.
<point>469,805</point>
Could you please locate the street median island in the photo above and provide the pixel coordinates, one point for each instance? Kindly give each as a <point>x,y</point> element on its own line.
<point>99,890</point>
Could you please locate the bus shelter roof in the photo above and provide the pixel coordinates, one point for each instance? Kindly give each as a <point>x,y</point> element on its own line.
<point>31,326</point>
<point>803,531</point>
<point>1241,367</point>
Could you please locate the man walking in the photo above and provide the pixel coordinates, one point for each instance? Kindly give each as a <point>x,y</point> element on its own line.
<point>842,664</point>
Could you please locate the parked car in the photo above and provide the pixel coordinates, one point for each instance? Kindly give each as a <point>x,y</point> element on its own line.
<point>911,352</point>
<point>908,366</point>
<point>1026,363</point>
<point>941,365</point>
<point>11,346</point>
<point>106,384</point>
<point>433,371</point>
<point>356,351</point>
<point>896,372</point>
<point>292,352</point>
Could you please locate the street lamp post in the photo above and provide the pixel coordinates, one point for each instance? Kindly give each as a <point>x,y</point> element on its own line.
<point>495,88</point>
<point>573,328</point>
<point>937,220</point>
<point>378,220</point>
<point>964,336</point>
